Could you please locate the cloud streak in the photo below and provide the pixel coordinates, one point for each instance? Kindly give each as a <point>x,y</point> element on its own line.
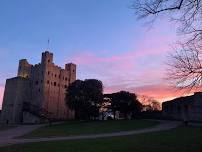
<point>160,92</point>
<point>140,70</point>
<point>1,95</point>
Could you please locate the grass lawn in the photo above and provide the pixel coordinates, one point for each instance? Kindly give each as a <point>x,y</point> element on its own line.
<point>182,139</point>
<point>5,127</point>
<point>92,127</point>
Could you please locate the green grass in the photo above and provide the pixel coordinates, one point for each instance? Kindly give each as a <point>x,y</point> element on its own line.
<point>182,139</point>
<point>92,127</point>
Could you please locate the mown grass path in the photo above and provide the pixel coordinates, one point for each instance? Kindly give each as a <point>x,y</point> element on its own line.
<point>72,128</point>
<point>165,125</point>
<point>180,139</point>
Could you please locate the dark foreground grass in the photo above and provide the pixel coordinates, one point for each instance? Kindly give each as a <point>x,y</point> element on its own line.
<point>92,127</point>
<point>182,139</point>
<point>6,127</point>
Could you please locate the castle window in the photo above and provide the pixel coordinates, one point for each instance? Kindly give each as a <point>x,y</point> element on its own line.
<point>55,75</point>
<point>48,82</point>
<point>73,70</point>
<point>59,76</point>
<point>39,90</point>
<point>48,72</point>
<point>48,61</point>
<point>36,82</point>
<point>66,79</point>
<point>65,86</point>
<point>54,83</point>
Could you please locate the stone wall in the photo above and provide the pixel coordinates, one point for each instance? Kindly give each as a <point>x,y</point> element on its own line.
<point>29,118</point>
<point>184,108</point>
<point>16,92</point>
<point>55,81</point>
<point>42,85</point>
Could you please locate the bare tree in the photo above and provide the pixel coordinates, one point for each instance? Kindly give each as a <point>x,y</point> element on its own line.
<point>188,13</point>
<point>185,64</point>
<point>185,67</point>
<point>149,103</point>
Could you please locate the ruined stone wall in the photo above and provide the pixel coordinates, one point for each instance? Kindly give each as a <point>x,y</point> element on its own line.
<point>42,85</point>
<point>29,118</point>
<point>197,107</point>
<point>16,92</point>
<point>56,80</point>
<point>37,80</point>
<point>189,108</point>
<point>24,69</point>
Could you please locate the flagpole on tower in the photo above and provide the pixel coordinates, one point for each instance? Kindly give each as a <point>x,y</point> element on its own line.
<point>48,48</point>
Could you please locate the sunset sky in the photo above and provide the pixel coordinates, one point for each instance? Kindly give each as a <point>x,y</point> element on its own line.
<point>103,37</point>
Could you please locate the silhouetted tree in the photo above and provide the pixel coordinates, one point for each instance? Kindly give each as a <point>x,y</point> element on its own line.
<point>84,97</point>
<point>185,67</point>
<point>186,12</point>
<point>126,103</point>
<point>75,97</point>
<point>149,103</point>
<point>185,64</point>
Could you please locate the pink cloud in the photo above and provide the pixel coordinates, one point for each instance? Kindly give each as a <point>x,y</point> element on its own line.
<point>141,69</point>
<point>160,92</point>
<point>124,72</point>
<point>150,45</point>
<point>1,95</point>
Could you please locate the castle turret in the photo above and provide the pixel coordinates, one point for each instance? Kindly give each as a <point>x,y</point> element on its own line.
<point>47,58</point>
<point>72,71</point>
<point>24,69</point>
<point>37,89</point>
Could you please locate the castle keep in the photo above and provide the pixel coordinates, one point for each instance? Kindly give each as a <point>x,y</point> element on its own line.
<point>38,92</point>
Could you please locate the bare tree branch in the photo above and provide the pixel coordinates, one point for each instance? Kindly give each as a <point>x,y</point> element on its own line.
<point>185,65</point>
<point>185,68</point>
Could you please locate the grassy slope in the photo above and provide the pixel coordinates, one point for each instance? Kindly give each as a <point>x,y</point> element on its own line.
<point>5,127</point>
<point>78,128</point>
<point>182,139</point>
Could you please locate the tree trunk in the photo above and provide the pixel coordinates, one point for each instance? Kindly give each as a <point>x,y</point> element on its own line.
<point>102,115</point>
<point>114,113</point>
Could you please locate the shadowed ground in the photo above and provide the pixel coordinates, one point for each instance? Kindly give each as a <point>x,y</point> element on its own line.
<point>91,127</point>
<point>181,139</point>
<point>4,140</point>
<point>5,127</point>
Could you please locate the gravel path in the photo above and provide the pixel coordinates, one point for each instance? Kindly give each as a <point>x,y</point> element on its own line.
<point>7,137</point>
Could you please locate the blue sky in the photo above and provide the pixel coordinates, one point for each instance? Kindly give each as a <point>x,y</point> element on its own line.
<point>102,37</point>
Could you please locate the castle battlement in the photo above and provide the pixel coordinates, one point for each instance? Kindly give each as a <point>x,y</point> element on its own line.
<point>42,85</point>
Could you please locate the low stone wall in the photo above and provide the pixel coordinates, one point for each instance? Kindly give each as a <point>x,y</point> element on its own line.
<point>184,108</point>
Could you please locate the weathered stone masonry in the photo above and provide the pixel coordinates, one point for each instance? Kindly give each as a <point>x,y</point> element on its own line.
<point>189,108</point>
<point>41,86</point>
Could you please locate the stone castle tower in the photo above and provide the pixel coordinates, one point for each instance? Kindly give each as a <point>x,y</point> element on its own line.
<point>38,92</point>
